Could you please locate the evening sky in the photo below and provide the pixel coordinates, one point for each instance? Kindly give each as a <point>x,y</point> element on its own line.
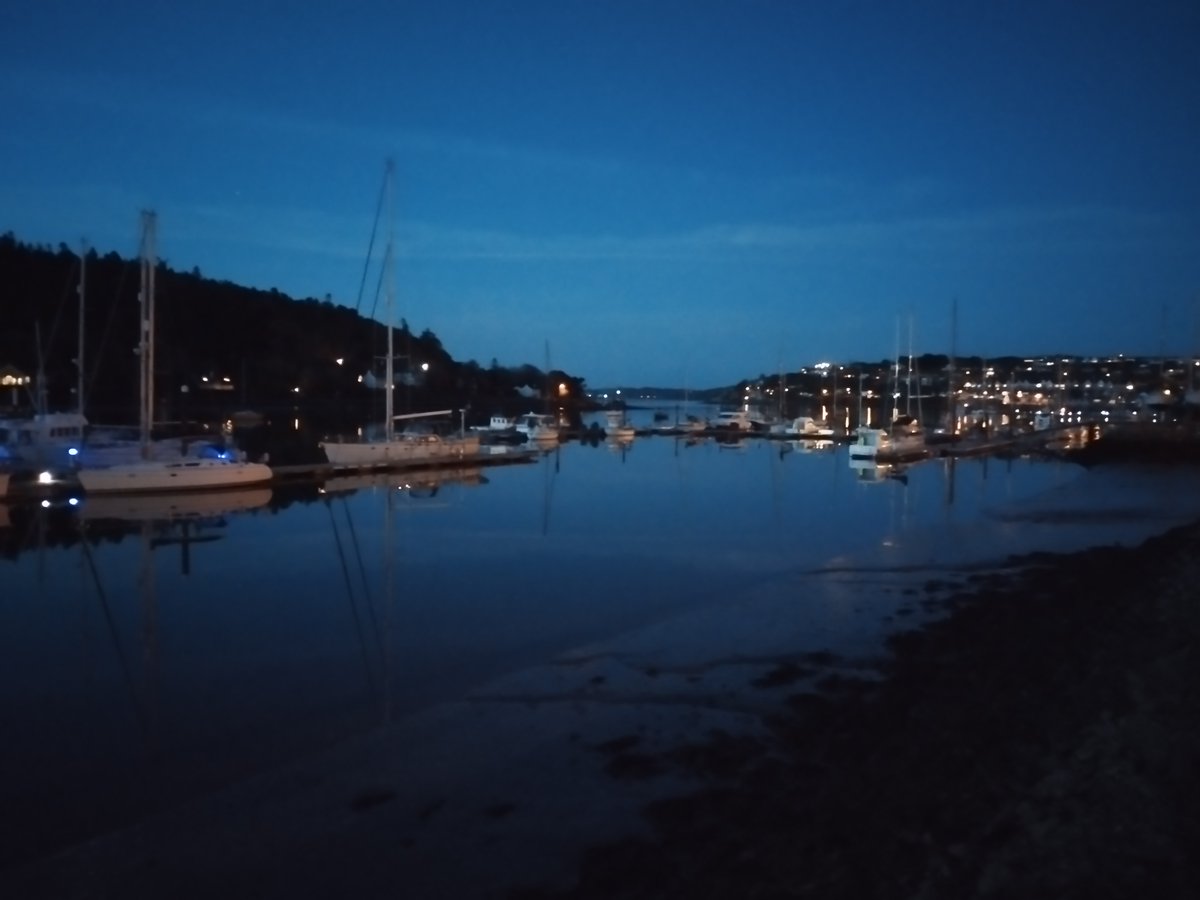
<point>657,192</point>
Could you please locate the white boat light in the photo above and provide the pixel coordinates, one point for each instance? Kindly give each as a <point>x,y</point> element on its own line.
<point>45,478</point>
<point>74,451</point>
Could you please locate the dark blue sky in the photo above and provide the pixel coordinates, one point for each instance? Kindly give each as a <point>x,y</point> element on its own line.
<point>665,192</point>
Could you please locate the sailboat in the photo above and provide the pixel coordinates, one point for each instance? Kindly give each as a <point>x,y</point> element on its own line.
<point>404,448</point>
<point>541,428</point>
<point>181,473</point>
<point>904,438</point>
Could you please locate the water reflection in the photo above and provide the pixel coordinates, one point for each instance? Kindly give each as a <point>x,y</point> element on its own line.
<point>189,641</point>
<point>171,507</point>
<point>421,483</point>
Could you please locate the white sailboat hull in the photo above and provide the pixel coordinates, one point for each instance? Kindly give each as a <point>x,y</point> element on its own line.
<point>401,451</point>
<point>179,475</point>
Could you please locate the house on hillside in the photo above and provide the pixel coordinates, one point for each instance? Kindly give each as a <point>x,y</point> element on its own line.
<point>12,380</point>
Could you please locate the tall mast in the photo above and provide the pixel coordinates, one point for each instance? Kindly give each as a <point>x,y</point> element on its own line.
<point>390,274</point>
<point>908,398</point>
<point>79,359</point>
<point>146,338</point>
<point>896,376</point>
<point>951,406</point>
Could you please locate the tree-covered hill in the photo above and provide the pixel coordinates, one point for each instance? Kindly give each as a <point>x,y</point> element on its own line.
<point>220,346</point>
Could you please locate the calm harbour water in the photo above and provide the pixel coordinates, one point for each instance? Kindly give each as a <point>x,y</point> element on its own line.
<point>146,663</point>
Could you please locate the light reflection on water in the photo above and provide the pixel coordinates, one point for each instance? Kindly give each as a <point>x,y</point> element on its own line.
<point>143,666</point>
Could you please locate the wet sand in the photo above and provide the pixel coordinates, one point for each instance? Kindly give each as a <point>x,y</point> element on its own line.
<point>1040,741</point>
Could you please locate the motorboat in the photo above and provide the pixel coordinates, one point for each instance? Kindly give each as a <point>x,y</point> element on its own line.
<point>541,428</point>
<point>737,420</point>
<point>43,438</point>
<point>902,440</point>
<point>802,427</point>
<point>616,428</point>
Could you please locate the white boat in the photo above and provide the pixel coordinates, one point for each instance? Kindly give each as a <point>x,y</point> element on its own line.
<point>173,475</point>
<point>903,440</point>
<point>148,474</point>
<point>499,431</point>
<point>397,449</point>
<point>688,425</point>
<point>497,424</point>
<point>62,441</point>
<point>739,420</point>
<point>43,439</point>
<point>802,427</point>
<point>541,428</point>
<point>616,428</point>
<point>400,449</point>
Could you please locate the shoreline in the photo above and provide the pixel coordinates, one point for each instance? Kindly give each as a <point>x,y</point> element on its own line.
<point>1041,740</point>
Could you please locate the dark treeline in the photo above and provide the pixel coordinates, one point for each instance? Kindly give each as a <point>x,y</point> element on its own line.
<point>221,347</point>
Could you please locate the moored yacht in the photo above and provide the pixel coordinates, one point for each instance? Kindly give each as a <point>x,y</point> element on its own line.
<point>615,426</point>
<point>43,439</point>
<point>904,439</point>
<point>402,448</point>
<point>738,420</point>
<point>218,470</point>
<point>540,428</point>
<point>802,427</point>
